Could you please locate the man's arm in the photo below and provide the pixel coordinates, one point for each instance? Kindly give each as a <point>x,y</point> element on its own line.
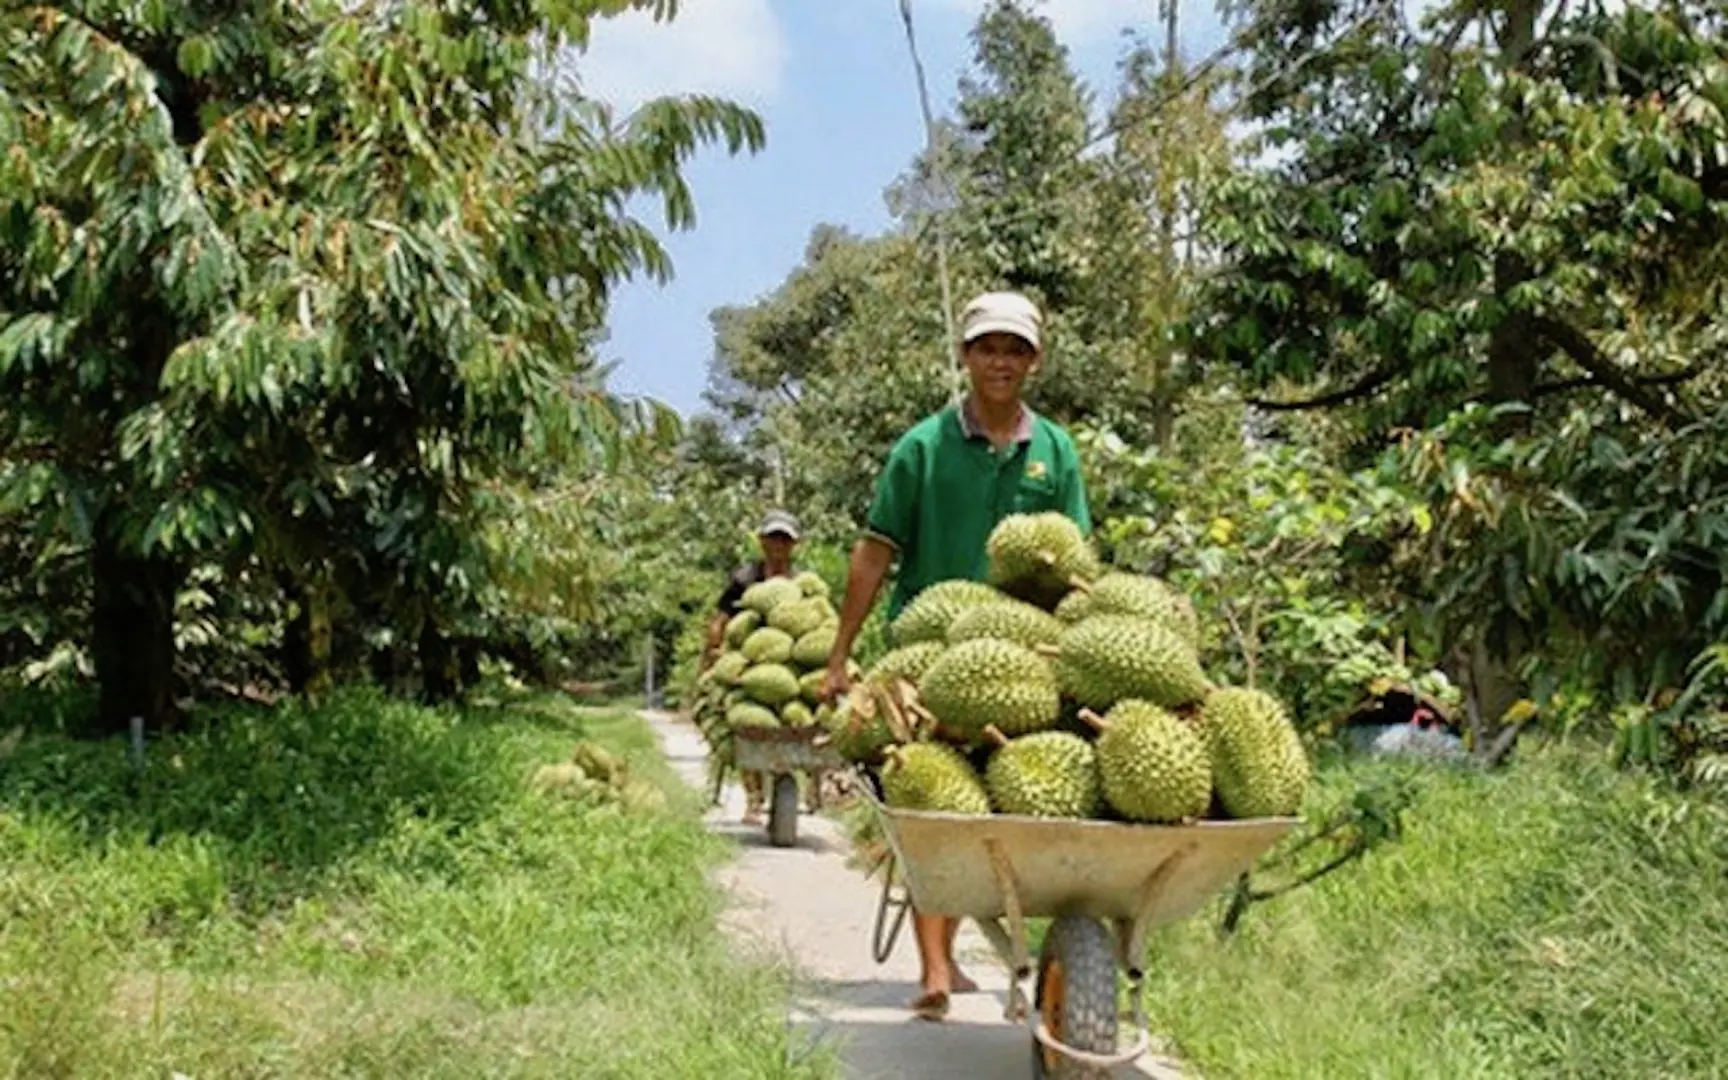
<point>890,526</point>
<point>716,636</point>
<point>871,558</point>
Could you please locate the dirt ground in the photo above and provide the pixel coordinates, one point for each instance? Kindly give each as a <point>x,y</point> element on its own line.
<point>802,905</point>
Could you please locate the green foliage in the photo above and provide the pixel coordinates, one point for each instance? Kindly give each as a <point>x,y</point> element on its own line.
<point>1260,535</point>
<point>231,909</point>
<point>1506,934</point>
<point>327,322</point>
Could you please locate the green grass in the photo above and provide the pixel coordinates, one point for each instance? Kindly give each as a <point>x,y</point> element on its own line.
<point>1555,920</point>
<point>365,889</point>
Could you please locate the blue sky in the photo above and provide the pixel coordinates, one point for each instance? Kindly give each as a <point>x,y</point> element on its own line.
<point>834,86</point>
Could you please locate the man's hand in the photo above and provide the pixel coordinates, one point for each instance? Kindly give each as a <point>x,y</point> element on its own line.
<point>836,681</point>
<point>870,561</point>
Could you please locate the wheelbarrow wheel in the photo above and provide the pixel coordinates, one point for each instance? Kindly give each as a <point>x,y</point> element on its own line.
<point>1076,997</point>
<point>783,811</point>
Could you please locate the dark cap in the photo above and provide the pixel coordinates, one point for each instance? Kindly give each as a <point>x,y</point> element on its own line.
<point>779,521</point>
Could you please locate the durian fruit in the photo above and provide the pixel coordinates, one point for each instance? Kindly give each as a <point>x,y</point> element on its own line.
<point>728,667</point>
<point>1259,766</point>
<point>810,583</point>
<point>741,626</point>
<point>1046,774</point>
<point>811,649</point>
<point>932,777</point>
<point>796,714</point>
<point>566,778</point>
<point>768,646</point>
<point>1153,766</point>
<point>908,662</point>
<point>1010,620</point>
<point>927,617</point>
<point>772,685</point>
<point>810,685</point>
<point>598,762</point>
<point>1040,555</point>
<point>764,596</point>
<point>1119,593</point>
<point>1103,659</point>
<point>1074,607</point>
<point>748,714</point>
<point>987,681</point>
<point>801,616</point>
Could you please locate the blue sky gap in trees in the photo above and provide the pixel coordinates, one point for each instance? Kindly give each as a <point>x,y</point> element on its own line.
<point>834,86</point>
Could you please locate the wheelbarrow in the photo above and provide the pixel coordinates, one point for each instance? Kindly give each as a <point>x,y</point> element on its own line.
<point>1104,884</point>
<point>781,754</point>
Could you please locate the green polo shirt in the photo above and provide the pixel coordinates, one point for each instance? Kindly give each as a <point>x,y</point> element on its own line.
<point>945,487</point>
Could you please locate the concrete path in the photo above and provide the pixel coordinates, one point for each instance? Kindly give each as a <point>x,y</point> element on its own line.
<point>808,911</point>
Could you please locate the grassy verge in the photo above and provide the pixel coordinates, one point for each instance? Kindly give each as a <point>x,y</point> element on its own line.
<point>365,889</point>
<point>1558,920</point>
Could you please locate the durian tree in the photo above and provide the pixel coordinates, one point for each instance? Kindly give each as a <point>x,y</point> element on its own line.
<point>295,284</point>
<point>1515,207</point>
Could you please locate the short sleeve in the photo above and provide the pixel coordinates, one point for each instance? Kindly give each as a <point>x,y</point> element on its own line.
<point>893,512</point>
<point>1073,488</point>
<point>735,585</point>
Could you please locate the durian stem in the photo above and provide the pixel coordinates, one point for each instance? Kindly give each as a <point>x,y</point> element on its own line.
<point>1098,722</point>
<point>994,734</point>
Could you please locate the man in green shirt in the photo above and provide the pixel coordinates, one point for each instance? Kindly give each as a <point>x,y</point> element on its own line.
<point>947,483</point>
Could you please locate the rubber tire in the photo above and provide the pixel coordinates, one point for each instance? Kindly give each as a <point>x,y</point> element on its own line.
<point>1082,954</point>
<point>783,811</point>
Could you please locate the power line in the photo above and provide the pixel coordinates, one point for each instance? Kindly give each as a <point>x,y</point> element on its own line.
<point>952,375</point>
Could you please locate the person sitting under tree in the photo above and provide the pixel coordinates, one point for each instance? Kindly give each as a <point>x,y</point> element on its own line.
<point>777,537</point>
<point>947,482</point>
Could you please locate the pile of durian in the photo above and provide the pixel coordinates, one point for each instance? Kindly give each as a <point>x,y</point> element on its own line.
<point>771,670</point>
<point>1064,688</point>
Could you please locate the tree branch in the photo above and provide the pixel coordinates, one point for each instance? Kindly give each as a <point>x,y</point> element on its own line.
<point>1364,386</point>
<point>1673,378</point>
<point>1584,353</point>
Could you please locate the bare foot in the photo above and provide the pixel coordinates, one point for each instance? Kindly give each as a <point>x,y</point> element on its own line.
<point>962,983</point>
<point>752,817</point>
<point>931,1005</point>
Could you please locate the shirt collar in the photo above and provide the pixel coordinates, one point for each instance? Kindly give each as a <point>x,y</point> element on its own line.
<point>973,430</point>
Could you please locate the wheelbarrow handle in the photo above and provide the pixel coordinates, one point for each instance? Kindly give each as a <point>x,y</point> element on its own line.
<point>885,934</point>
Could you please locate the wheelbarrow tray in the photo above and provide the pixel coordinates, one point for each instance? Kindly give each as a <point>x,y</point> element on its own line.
<point>954,864</point>
<point>782,750</point>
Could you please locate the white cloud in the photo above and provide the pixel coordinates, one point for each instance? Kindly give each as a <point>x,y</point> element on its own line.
<point>734,48</point>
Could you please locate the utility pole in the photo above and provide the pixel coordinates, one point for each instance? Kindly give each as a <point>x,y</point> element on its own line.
<point>1169,197</point>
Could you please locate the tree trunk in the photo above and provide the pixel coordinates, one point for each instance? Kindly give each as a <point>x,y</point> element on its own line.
<point>132,636</point>
<point>438,681</point>
<point>306,643</point>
